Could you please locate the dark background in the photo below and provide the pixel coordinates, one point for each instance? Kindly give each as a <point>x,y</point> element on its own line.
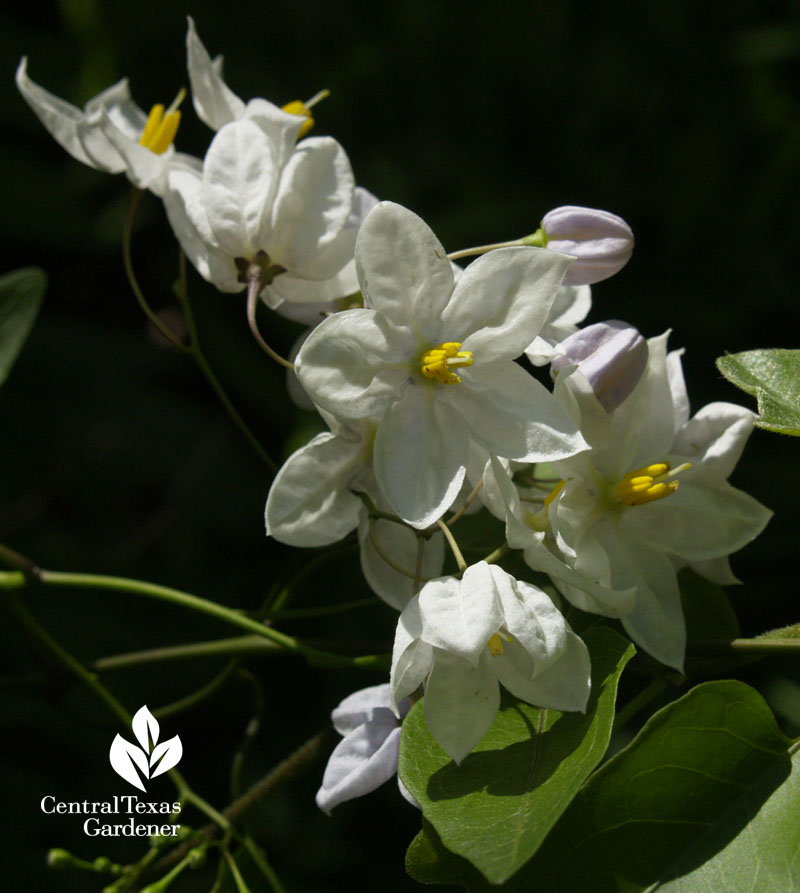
<point>684,118</point>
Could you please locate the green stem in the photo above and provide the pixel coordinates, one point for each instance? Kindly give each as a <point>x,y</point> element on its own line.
<point>89,679</point>
<point>200,359</point>
<point>451,541</point>
<point>537,240</point>
<point>239,645</point>
<point>168,334</point>
<point>13,580</point>
<point>197,697</point>
<point>499,552</point>
<point>743,646</point>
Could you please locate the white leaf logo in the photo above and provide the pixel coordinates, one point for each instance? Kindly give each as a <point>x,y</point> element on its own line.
<point>151,759</point>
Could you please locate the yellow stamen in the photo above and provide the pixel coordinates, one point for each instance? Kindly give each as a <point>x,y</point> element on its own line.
<point>297,107</point>
<point>496,646</point>
<point>649,483</point>
<point>161,127</point>
<point>438,361</point>
<point>541,520</point>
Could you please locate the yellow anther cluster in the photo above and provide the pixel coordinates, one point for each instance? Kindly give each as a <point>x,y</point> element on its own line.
<point>496,647</point>
<point>161,127</point>
<point>438,362</point>
<point>649,483</point>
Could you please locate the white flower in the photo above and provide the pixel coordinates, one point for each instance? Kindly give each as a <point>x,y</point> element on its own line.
<point>651,496</point>
<point>312,503</point>
<point>396,361</point>
<point>367,757</point>
<point>111,134</point>
<point>263,206</point>
<point>461,638</point>
<point>601,242</point>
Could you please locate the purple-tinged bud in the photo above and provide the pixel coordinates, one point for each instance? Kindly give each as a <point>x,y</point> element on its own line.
<point>601,242</point>
<point>611,355</point>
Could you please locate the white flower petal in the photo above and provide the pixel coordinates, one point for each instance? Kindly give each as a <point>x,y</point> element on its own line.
<point>420,454</point>
<point>656,622</point>
<point>360,763</point>
<point>215,103</point>
<point>531,618</point>
<point>564,684</point>
<point>315,196</point>
<point>183,200</point>
<point>461,702</point>
<point>702,519</point>
<point>511,414</point>
<point>571,305</point>
<point>354,364</point>
<point>411,657</point>
<point>677,386</point>
<point>309,503</point>
<point>360,707</point>
<point>239,181</point>
<point>715,437</point>
<point>461,616</point>
<point>502,300</point>
<point>403,270</point>
<point>59,117</point>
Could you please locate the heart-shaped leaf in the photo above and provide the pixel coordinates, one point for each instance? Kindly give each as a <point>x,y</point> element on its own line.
<point>704,798</point>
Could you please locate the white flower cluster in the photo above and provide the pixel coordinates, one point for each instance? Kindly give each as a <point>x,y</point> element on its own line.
<point>604,483</point>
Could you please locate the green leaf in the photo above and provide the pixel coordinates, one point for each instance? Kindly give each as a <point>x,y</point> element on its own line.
<point>21,294</point>
<point>496,808</point>
<point>429,861</point>
<point>684,790</point>
<point>773,378</point>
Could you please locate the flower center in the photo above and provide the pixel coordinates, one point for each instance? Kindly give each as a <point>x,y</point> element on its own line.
<point>438,361</point>
<point>297,107</point>
<point>648,483</point>
<point>161,127</point>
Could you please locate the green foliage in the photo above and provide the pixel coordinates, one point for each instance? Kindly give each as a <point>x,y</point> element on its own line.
<point>677,802</point>
<point>498,806</point>
<point>773,378</point>
<point>21,294</point>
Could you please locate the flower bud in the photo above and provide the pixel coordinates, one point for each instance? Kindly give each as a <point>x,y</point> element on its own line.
<point>601,242</point>
<point>611,355</point>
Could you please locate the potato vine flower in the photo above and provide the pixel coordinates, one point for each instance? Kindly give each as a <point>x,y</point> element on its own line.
<point>367,755</point>
<point>461,639</point>
<point>262,211</point>
<point>652,496</point>
<point>433,361</point>
<point>111,134</point>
